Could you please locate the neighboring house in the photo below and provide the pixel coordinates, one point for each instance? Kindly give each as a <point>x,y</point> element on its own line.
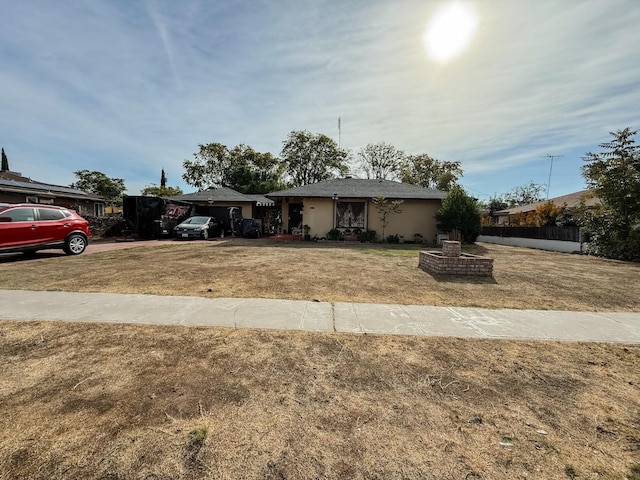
<point>569,201</point>
<point>347,204</point>
<point>14,188</point>
<point>223,203</point>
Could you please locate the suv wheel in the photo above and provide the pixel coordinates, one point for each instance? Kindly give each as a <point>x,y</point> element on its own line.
<point>75,244</point>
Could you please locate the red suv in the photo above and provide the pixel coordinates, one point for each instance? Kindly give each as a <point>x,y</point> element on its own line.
<point>30,227</point>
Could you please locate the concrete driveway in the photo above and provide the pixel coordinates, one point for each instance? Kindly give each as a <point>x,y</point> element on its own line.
<point>93,247</point>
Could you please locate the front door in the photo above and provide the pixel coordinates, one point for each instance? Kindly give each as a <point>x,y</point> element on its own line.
<point>295,216</point>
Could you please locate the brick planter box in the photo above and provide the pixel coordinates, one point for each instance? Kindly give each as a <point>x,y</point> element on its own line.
<point>451,262</point>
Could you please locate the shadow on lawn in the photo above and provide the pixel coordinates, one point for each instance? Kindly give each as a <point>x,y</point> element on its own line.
<point>462,279</point>
<point>22,257</point>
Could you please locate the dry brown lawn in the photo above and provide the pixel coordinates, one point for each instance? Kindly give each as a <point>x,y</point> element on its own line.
<point>99,401</point>
<point>83,401</point>
<point>523,278</point>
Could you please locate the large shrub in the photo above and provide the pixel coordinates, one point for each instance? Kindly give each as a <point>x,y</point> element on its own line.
<point>609,237</point>
<point>105,226</point>
<point>614,174</point>
<point>460,212</point>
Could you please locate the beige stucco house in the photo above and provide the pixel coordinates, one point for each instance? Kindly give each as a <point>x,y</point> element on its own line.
<point>346,203</point>
<point>588,198</point>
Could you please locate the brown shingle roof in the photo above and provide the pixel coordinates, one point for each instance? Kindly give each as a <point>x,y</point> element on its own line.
<point>361,188</point>
<point>570,200</point>
<point>215,194</point>
<point>15,182</point>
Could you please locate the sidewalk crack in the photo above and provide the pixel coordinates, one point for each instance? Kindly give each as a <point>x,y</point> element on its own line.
<point>333,316</point>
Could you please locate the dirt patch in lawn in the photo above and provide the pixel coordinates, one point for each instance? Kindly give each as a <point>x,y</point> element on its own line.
<point>124,401</point>
<point>523,278</point>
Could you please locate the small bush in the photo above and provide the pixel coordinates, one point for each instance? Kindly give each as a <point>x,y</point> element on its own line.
<point>334,234</point>
<point>197,436</point>
<point>393,239</point>
<point>195,442</point>
<point>570,472</point>
<point>368,236</point>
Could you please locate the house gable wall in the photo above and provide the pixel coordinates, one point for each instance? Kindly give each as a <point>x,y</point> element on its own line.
<point>418,216</point>
<point>83,207</point>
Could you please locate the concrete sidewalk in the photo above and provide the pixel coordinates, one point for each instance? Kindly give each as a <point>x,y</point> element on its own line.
<point>321,316</point>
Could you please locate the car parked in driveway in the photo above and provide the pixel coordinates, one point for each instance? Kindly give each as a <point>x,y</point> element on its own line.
<point>198,227</point>
<point>31,227</point>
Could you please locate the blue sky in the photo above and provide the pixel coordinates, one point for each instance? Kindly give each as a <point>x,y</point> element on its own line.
<point>129,87</point>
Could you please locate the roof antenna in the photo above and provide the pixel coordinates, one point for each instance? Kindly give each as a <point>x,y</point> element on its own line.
<point>550,169</point>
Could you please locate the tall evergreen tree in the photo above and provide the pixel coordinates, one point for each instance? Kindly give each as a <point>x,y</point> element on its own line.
<point>460,212</point>
<point>163,179</point>
<point>5,162</point>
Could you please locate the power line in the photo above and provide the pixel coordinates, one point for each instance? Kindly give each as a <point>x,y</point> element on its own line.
<point>550,169</point>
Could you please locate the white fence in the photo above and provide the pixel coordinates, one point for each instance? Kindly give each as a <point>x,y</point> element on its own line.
<point>552,245</point>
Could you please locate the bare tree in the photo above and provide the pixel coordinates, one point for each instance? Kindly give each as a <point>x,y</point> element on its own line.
<point>385,208</point>
<point>381,161</point>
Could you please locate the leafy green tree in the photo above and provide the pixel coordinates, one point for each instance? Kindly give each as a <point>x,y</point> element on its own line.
<point>100,184</point>
<point>386,208</point>
<point>160,191</point>
<point>254,172</point>
<point>496,204</point>
<point>429,172</point>
<point>460,212</point>
<point>524,195</point>
<point>210,167</point>
<point>614,175</point>
<point>310,158</point>
<point>240,168</point>
<point>381,161</point>
<point>489,207</point>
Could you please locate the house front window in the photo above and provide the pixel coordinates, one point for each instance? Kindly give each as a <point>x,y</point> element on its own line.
<point>350,215</point>
<point>99,210</point>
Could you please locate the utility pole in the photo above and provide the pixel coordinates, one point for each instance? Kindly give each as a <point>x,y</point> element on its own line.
<point>339,134</point>
<point>550,169</point>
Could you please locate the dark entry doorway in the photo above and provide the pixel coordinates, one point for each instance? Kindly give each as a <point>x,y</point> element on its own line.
<point>295,216</point>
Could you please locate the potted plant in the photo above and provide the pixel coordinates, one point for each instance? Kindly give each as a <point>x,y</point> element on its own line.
<point>351,235</point>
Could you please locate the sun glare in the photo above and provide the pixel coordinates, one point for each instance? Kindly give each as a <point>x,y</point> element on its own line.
<point>450,31</point>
